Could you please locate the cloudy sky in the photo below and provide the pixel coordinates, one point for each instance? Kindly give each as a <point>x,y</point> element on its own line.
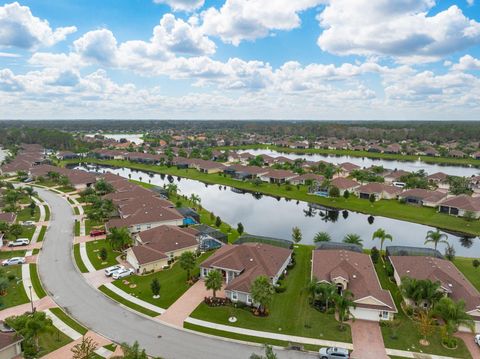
<point>240,59</point>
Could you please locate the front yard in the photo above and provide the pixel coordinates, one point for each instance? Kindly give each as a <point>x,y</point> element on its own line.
<point>290,311</point>
<point>15,293</point>
<point>25,215</point>
<point>93,251</point>
<point>173,284</point>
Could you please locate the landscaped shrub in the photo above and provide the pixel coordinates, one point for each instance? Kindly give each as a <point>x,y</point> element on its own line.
<point>216,302</point>
<point>375,254</point>
<point>280,287</point>
<point>11,277</point>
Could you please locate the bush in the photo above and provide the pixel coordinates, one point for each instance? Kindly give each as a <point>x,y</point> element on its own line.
<point>375,254</point>
<point>449,342</point>
<point>11,277</point>
<point>280,287</point>
<point>346,194</point>
<point>476,263</point>
<point>389,269</point>
<point>216,302</point>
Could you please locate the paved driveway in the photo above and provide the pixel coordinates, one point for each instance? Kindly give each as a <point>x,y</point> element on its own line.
<point>91,308</point>
<point>471,345</point>
<point>367,340</point>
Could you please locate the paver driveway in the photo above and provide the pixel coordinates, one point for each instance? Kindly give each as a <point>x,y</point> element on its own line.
<point>367,340</point>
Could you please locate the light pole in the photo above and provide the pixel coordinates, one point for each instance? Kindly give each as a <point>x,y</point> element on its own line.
<point>31,298</point>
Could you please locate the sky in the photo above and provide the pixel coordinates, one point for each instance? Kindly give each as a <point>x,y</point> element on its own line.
<point>240,59</point>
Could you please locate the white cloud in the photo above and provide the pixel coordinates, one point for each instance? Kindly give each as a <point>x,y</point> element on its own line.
<point>19,28</point>
<point>182,5</point>
<point>98,46</point>
<point>402,29</point>
<point>239,20</point>
<point>9,54</point>
<point>467,63</point>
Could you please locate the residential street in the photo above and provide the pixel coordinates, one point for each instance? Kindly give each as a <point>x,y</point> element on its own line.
<point>104,316</point>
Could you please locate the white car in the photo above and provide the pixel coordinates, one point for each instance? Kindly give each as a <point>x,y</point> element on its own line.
<point>333,353</point>
<point>122,273</point>
<point>110,270</point>
<point>28,223</point>
<point>477,339</point>
<point>19,242</point>
<point>12,261</point>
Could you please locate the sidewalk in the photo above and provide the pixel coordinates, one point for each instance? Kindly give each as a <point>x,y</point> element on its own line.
<point>41,304</point>
<point>27,282</point>
<point>85,259</point>
<point>132,299</point>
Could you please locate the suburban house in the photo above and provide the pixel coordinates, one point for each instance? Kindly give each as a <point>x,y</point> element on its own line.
<point>278,176</point>
<point>8,217</point>
<point>79,179</point>
<point>28,156</point>
<point>440,179</point>
<point>453,283</point>
<point>353,271</point>
<point>154,248</point>
<point>475,184</point>
<point>347,167</point>
<point>344,184</point>
<point>206,166</point>
<point>240,264</point>
<point>395,176</point>
<point>422,197</point>
<point>109,154</point>
<point>10,345</point>
<point>67,155</point>
<point>460,205</point>
<point>304,178</point>
<point>241,172</point>
<point>379,190</point>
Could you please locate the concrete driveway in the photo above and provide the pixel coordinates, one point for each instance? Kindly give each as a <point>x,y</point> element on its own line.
<point>106,317</point>
<point>367,340</point>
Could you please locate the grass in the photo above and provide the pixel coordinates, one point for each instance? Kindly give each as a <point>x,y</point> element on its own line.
<point>245,338</point>
<point>111,347</point>
<point>93,251</point>
<point>50,342</point>
<point>41,235</point>
<point>66,189</point>
<point>76,211</point>
<point>407,334</point>
<point>127,303</point>
<point>70,201</point>
<point>303,319</point>
<point>385,208</point>
<point>89,225</point>
<point>77,228</point>
<point>173,284</point>
<point>35,251</point>
<point>25,215</point>
<point>78,259</point>
<point>72,323</point>
<point>15,294</point>
<point>47,213</point>
<point>36,283</point>
<point>469,271</point>
<point>12,253</point>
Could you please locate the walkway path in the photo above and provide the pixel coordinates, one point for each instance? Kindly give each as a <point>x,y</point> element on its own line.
<point>41,304</point>
<point>133,299</point>
<point>85,259</point>
<point>473,347</point>
<point>186,304</point>
<point>27,282</point>
<point>367,340</point>
<point>90,307</point>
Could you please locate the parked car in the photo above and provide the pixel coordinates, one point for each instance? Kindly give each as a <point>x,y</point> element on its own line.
<point>19,242</point>
<point>477,339</point>
<point>12,261</point>
<point>97,232</point>
<point>110,270</point>
<point>333,353</point>
<point>122,273</point>
<point>28,223</point>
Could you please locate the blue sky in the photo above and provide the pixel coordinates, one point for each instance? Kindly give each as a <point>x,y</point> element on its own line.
<point>240,59</point>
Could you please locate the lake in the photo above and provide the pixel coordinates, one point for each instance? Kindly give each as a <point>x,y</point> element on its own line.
<point>269,216</point>
<point>367,162</point>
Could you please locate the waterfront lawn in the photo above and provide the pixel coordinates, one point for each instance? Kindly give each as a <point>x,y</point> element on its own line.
<point>173,283</point>
<point>25,215</point>
<point>15,294</point>
<point>290,311</point>
<point>407,334</point>
<point>93,252</point>
<point>469,271</point>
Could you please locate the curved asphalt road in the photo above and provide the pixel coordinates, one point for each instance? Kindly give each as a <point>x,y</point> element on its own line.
<point>89,306</point>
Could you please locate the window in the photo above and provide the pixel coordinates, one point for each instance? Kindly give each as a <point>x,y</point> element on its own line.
<point>204,271</point>
<point>249,299</point>
<point>138,227</point>
<point>385,314</point>
<point>234,296</point>
<point>149,226</point>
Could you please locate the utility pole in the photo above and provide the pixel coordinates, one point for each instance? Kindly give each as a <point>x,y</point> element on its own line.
<point>31,298</point>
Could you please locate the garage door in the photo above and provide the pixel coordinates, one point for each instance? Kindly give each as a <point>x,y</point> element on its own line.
<point>366,314</point>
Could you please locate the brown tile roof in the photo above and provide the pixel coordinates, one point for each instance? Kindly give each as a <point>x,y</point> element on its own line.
<point>8,339</point>
<point>463,202</point>
<point>344,183</point>
<point>376,188</point>
<point>438,177</point>
<point>280,174</point>
<point>145,254</point>
<point>169,238</point>
<point>8,217</point>
<point>348,166</point>
<point>141,216</point>
<point>442,270</point>
<point>424,194</point>
<point>309,176</point>
<point>251,259</point>
<point>357,269</point>
<point>397,174</point>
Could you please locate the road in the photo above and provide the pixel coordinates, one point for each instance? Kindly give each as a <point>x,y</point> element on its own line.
<point>96,311</point>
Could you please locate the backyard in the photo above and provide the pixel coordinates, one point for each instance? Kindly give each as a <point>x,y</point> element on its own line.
<point>303,319</point>
<point>465,265</point>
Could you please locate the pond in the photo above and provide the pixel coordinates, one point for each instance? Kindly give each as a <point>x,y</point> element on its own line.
<point>367,162</point>
<point>269,216</point>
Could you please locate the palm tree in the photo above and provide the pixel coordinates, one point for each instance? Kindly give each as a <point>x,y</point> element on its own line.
<point>327,292</point>
<point>382,235</point>
<point>296,234</point>
<point>195,199</point>
<point>436,237</point>
<point>353,238</point>
<point>262,292</point>
<point>214,281</point>
<point>322,237</point>
<point>172,189</point>
<point>453,315</point>
<point>31,325</point>
<point>343,303</point>
<point>119,238</point>
<point>187,262</point>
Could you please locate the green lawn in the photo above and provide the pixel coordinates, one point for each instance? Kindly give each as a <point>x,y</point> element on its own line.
<point>127,303</point>
<point>36,283</point>
<point>35,251</point>
<point>50,342</point>
<point>47,213</point>
<point>469,271</point>
<point>77,228</point>
<point>41,235</point>
<point>290,312</point>
<point>15,293</point>
<point>25,215</point>
<point>27,232</point>
<point>66,189</point>
<point>12,253</point>
<point>76,211</point>
<point>408,336</point>
<point>89,225</point>
<point>386,208</point>
<point>93,252</point>
<point>78,259</point>
<point>72,323</point>
<point>173,284</point>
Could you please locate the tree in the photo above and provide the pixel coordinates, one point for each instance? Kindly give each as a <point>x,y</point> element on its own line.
<point>32,207</point>
<point>322,237</point>
<point>426,326</point>
<point>343,303</point>
<point>103,254</point>
<point>334,192</point>
<point>195,199</point>
<point>353,238</point>
<point>372,198</point>
<point>346,194</point>
<point>453,315</point>
<point>262,292</point>
<point>382,235</point>
<point>296,234</point>
<point>119,238</point>
<point>435,237</point>
<point>240,228</point>
<point>469,216</point>
<point>29,191</point>
<point>450,252</point>
<point>85,349</point>
<point>421,291</point>
<point>375,255</point>
<point>30,326</point>
<point>132,352</point>
<point>323,292</point>
<point>155,287</point>
<point>103,187</point>
<point>218,222</point>
<point>187,263</point>
<point>269,354</point>
<point>476,263</point>
<point>214,281</point>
